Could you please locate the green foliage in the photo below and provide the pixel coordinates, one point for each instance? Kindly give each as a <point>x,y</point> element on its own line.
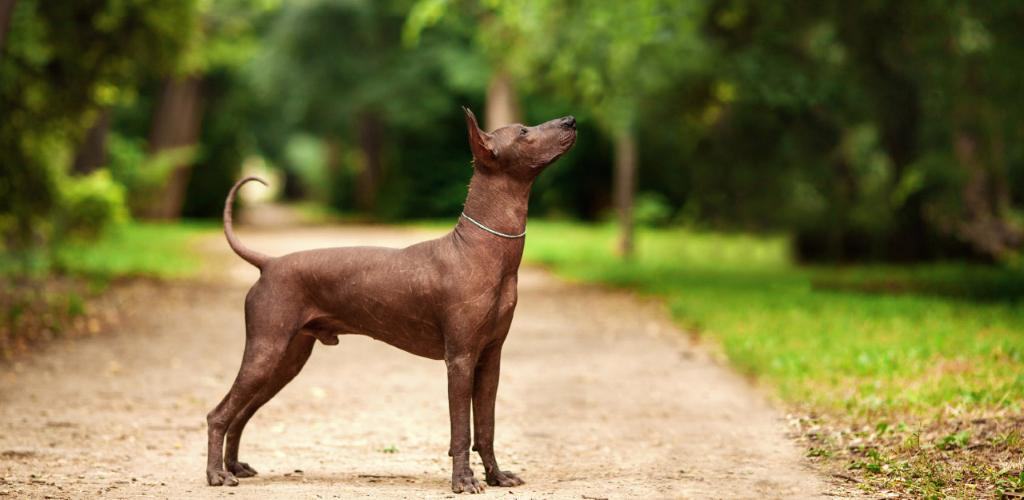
<point>129,249</point>
<point>620,53</point>
<point>410,96</point>
<point>604,56</point>
<point>89,205</point>
<point>231,117</point>
<point>880,130</point>
<point>865,105</point>
<point>135,249</point>
<point>230,35</point>
<point>870,132</point>
<point>142,175</point>
<point>59,66</point>
<point>1012,486</point>
<point>347,53</point>
<point>304,154</point>
<point>224,142</point>
<point>428,179</point>
<point>954,441</point>
<point>652,209</point>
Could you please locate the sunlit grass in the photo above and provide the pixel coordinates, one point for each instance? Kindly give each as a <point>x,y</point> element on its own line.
<point>136,249</point>
<point>861,340</point>
<point>160,250</point>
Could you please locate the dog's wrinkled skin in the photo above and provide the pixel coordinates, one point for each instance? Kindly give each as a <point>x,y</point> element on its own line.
<point>451,298</point>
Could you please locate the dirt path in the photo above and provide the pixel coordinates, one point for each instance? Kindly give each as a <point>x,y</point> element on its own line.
<point>601,397</point>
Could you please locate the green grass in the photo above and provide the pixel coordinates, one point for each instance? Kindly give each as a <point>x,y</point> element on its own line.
<point>135,249</point>
<point>45,294</point>
<point>857,339</point>
<point>159,250</point>
<point>876,356</point>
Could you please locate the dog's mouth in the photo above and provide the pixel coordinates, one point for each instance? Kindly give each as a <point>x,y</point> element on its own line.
<point>566,141</point>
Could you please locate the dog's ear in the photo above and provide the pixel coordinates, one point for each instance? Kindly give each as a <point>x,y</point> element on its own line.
<point>480,142</point>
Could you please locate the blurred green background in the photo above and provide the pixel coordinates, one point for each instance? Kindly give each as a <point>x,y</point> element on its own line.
<point>830,190</point>
<point>869,131</point>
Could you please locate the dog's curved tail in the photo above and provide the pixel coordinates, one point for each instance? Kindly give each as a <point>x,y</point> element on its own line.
<point>251,256</point>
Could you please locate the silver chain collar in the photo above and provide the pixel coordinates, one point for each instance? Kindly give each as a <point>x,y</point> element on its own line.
<point>489,230</point>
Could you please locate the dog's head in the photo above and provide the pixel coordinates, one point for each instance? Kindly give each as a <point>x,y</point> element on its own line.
<point>518,150</point>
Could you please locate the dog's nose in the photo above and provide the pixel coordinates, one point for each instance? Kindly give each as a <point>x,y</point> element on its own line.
<point>569,122</point>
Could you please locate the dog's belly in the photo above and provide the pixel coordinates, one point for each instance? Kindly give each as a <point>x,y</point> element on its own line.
<point>424,341</point>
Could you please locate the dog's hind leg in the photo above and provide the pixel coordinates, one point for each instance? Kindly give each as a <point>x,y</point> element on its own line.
<point>295,358</point>
<point>267,338</point>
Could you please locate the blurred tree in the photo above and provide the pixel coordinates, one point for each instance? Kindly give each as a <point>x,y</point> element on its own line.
<point>176,124</point>
<point>874,130</point>
<point>92,153</point>
<point>605,56</point>
<point>61,65</point>
<point>885,112</point>
<point>189,100</point>
<point>494,36</point>
<point>985,109</point>
<point>6,10</point>
<point>336,68</point>
<point>610,58</point>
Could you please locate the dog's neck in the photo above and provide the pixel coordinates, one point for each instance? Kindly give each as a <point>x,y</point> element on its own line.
<point>498,202</point>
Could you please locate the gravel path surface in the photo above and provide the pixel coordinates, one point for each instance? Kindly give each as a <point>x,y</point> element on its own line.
<point>601,397</point>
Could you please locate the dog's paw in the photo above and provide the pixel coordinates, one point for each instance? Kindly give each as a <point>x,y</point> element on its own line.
<point>241,469</point>
<point>504,478</point>
<point>220,477</point>
<point>466,483</point>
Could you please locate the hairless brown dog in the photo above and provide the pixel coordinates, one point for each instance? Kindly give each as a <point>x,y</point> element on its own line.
<point>451,298</point>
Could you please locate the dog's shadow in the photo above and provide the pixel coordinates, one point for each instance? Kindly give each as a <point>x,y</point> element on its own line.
<point>428,482</point>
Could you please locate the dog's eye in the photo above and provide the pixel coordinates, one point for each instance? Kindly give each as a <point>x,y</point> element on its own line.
<point>523,131</point>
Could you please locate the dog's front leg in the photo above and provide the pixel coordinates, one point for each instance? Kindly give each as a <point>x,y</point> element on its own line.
<point>485,391</point>
<point>460,391</point>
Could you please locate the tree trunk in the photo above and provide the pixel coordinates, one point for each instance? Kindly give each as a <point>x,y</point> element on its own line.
<point>92,154</point>
<point>502,102</point>
<point>370,135</point>
<point>984,223</point>
<point>625,187</point>
<point>985,226</point>
<point>175,125</point>
<point>6,12</point>
<point>337,191</point>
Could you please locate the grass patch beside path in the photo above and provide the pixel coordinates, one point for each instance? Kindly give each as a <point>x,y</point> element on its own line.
<point>910,377</point>
<point>47,295</point>
<point>135,249</point>
<point>160,250</point>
